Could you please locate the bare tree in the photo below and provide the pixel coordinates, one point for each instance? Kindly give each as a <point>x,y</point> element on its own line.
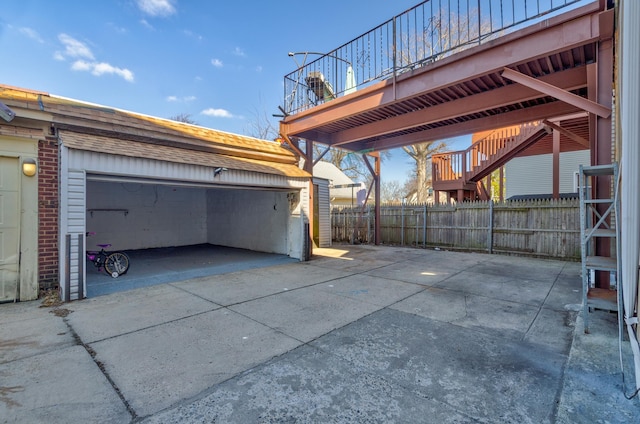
<point>261,126</point>
<point>442,36</point>
<point>420,153</point>
<point>183,117</point>
<point>391,192</point>
<point>351,163</point>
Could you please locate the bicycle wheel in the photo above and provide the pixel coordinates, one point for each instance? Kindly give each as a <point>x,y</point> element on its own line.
<point>117,264</point>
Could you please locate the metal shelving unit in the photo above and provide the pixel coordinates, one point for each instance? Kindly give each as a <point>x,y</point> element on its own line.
<point>598,220</point>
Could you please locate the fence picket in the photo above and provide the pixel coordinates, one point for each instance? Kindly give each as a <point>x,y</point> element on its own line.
<point>544,228</point>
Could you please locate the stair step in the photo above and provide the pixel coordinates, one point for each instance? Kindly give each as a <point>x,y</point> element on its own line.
<point>601,263</point>
<point>596,170</point>
<point>597,201</point>
<point>600,232</point>
<point>604,299</point>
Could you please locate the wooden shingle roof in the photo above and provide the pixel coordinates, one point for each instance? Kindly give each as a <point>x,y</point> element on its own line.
<point>94,127</point>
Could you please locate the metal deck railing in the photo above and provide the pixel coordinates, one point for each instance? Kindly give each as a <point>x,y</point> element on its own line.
<point>428,32</point>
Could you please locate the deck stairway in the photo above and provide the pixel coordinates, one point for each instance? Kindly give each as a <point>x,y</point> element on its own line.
<point>464,170</point>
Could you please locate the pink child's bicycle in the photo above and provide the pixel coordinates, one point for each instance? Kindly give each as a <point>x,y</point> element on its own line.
<point>114,263</point>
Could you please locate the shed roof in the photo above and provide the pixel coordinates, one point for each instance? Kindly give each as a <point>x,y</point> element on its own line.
<point>341,186</point>
<point>88,126</point>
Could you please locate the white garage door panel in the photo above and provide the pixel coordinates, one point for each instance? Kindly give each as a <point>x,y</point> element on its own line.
<point>9,228</point>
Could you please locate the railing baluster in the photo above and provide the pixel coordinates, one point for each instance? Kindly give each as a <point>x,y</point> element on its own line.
<point>405,45</point>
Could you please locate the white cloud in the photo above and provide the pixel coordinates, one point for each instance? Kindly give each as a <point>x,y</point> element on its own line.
<point>31,33</point>
<point>192,34</point>
<point>217,63</point>
<point>105,68</point>
<point>146,24</point>
<point>74,48</point>
<point>156,7</point>
<point>239,52</point>
<point>81,65</point>
<point>185,99</point>
<point>85,61</point>
<point>102,68</point>
<point>217,113</point>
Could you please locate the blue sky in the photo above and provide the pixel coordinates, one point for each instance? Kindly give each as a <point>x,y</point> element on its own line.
<point>221,62</point>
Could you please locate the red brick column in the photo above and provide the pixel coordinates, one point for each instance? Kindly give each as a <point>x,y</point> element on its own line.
<point>48,199</point>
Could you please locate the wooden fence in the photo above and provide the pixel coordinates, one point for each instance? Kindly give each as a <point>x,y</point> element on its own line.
<point>542,228</point>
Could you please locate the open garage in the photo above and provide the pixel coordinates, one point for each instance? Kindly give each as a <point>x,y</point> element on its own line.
<point>171,231</point>
<point>141,196</point>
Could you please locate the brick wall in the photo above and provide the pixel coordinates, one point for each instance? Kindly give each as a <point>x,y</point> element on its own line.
<point>48,213</point>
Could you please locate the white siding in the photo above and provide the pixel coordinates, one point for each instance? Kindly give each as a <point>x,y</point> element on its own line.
<point>534,174</point>
<point>75,227</point>
<point>101,163</point>
<point>324,218</point>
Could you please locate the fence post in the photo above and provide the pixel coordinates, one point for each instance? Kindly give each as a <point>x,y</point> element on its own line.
<point>402,224</point>
<point>369,222</point>
<point>490,235</point>
<point>424,227</point>
<point>417,223</point>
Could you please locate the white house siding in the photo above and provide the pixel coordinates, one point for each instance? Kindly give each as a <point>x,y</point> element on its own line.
<point>534,174</point>
<point>182,194</point>
<point>72,229</point>
<point>324,213</point>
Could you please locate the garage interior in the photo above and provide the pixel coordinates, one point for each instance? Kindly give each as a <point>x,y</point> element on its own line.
<point>174,231</point>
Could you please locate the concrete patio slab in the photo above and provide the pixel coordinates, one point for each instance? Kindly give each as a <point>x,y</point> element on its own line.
<point>508,288</point>
<point>365,288</point>
<point>184,357</point>
<point>310,386</point>
<point>25,333</point>
<point>481,376</point>
<point>520,268</point>
<point>306,313</point>
<point>593,386</point>
<point>232,288</point>
<point>471,311</point>
<point>427,272</point>
<point>58,386</point>
<point>316,342</point>
<point>125,312</point>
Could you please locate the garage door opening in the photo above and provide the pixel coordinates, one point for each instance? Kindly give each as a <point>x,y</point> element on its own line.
<point>174,232</point>
<point>149,267</point>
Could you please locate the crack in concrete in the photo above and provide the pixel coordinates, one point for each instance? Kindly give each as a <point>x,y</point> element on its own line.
<point>101,367</point>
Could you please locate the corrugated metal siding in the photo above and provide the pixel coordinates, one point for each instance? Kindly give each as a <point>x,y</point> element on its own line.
<point>75,222</point>
<point>324,218</point>
<point>101,163</point>
<point>534,174</point>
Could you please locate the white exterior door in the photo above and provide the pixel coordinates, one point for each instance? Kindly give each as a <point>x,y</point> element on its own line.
<point>9,229</point>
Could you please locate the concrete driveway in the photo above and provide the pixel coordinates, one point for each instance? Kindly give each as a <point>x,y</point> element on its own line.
<point>360,334</point>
